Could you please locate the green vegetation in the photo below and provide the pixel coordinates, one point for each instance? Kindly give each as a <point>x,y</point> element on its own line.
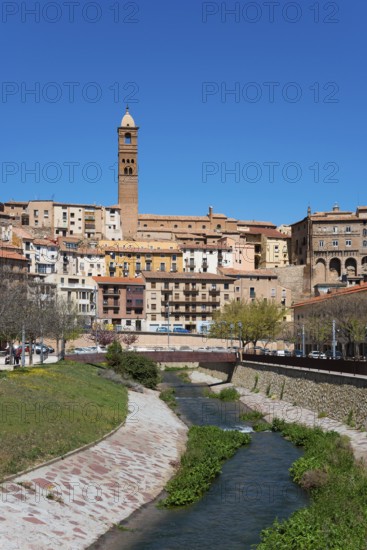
<point>168,396</point>
<point>184,377</point>
<point>227,394</point>
<point>207,448</point>
<point>336,517</point>
<point>251,416</point>
<point>48,411</point>
<point>322,414</point>
<point>133,365</point>
<point>254,388</point>
<point>259,320</point>
<point>282,390</point>
<point>350,420</point>
<point>261,427</point>
<point>268,390</point>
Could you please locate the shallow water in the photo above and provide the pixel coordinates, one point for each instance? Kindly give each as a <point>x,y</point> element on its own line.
<point>253,489</point>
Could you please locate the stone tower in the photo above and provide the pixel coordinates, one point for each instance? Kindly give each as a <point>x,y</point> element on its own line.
<point>128,175</point>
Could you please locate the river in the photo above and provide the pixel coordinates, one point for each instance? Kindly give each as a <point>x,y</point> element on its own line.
<point>253,489</point>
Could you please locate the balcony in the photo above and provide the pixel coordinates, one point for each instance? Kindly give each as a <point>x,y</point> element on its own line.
<point>214,292</point>
<point>111,292</point>
<point>191,291</point>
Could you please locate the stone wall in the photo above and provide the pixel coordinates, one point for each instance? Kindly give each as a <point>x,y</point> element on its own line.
<point>336,396</point>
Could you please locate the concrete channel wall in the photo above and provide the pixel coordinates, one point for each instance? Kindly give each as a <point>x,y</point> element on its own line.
<point>342,397</point>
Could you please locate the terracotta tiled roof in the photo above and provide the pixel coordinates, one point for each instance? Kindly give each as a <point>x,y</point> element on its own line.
<point>255,273</point>
<point>205,247</point>
<point>6,254</point>
<point>362,287</point>
<point>183,276</point>
<point>271,233</point>
<point>44,242</point>
<point>119,280</point>
<point>256,223</point>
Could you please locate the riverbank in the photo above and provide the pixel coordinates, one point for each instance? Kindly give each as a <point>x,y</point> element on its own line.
<point>72,502</point>
<point>275,408</point>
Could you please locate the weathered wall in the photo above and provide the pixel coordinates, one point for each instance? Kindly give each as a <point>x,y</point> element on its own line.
<point>334,395</point>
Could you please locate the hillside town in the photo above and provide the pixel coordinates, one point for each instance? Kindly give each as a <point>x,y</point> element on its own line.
<point>130,271</point>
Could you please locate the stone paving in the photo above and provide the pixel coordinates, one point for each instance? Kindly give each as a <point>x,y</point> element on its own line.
<point>73,501</point>
<point>274,408</point>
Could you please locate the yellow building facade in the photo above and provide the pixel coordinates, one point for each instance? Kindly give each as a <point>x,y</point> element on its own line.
<point>129,258</point>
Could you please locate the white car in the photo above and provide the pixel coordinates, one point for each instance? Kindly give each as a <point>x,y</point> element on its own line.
<point>316,355</point>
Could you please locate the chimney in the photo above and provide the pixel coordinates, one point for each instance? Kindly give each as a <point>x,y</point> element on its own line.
<point>210,213</point>
<point>336,207</point>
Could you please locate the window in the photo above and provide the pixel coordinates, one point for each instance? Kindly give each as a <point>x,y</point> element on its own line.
<point>252,292</point>
<point>177,285</point>
<point>348,243</point>
<point>153,285</point>
<point>162,267</point>
<point>45,214</point>
<point>348,229</point>
<point>153,295</point>
<point>127,139</point>
<point>226,297</point>
<point>154,317</point>
<point>364,243</point>
<point>226,286</point>
<point>335,229</point>
<point>166,285</point>
<point>335,244</point>
<point>321,244</point>
<point>273,293</point>
<point>36,213</point>
<point>154,307</point>
<point>203,285</point>
<point>177,296</point>
<point>237,288</point>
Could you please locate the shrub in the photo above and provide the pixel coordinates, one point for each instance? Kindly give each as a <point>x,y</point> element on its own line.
<point>168,396</point>
<point>227,394</point>
<point>251,415</point>
<point>113,355</point>
<point>139,368</point>
<point>261,427</point>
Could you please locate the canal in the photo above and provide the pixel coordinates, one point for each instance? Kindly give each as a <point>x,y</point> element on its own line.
<point>253,489</point>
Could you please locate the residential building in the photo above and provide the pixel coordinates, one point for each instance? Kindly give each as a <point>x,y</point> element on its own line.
<point>260,284</point>
<point>130,258</point>
<point>120,302</point>
<point>184,299</point>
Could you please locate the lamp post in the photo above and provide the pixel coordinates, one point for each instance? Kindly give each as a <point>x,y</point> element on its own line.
<point>334,342</point>
<point>167,313</point>
<point>231,327</point>
<point>239,324</point>
<point>303,341</point>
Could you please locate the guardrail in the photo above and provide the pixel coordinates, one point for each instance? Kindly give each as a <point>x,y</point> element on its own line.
<point>340,366</point>
<point>163,357</point>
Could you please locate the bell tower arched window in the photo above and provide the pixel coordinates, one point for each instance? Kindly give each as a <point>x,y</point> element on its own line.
<point>127,139</point>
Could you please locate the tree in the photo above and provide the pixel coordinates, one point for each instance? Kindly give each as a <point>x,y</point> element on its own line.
<point>129,338</point>
<point>252,321</point>
<point>102,336</point>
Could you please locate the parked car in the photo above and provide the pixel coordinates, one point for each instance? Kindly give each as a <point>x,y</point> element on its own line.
<point>315,354</point>
<point>162,329</point>
<point>181,330</point>
<point>329,354</point>
<point>36,348</point>
<point>297,353</point>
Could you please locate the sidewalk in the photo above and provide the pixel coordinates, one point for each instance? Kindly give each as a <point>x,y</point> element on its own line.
<point>73,501</point>
<point>36,361</point>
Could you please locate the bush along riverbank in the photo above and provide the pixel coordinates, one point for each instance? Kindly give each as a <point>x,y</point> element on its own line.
<point>337,516</point>
<point>207,448</point>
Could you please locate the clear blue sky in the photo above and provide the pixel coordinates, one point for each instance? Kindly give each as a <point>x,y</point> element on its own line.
<point>173,62</point>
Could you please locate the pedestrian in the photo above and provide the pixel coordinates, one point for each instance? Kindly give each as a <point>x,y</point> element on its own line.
<point>18,354</point>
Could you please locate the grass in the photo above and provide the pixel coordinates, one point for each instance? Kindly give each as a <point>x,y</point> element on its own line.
<point>336,517</point>
<point>168,396</point>
<point>227,394</point>
<point>251,416</point>
<point>207,448</point>
<point>51,410</point>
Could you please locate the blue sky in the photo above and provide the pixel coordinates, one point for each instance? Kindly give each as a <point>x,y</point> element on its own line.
<point>291,134</point>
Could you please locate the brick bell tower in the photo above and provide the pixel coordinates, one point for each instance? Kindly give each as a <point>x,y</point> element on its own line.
<point>128,175</point>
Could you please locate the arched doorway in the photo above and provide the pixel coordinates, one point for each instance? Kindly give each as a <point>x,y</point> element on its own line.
<point>335,268</point>
<point>320,271</point>
<point>351,267</point>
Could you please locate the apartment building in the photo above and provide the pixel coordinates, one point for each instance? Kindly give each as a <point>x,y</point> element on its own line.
<point>184,299</point>
<point>120,302</point>
<point>130,258</point>
<point>260,284</point>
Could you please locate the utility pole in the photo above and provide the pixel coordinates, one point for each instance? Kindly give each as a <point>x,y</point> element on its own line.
<point>231,327</point>
<point>240,339</point>
<point>303,341</point>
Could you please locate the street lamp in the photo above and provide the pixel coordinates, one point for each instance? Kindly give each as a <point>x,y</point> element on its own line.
<point>239,324</point>
<point>167,313</point>
<point>231,327</point>
<point>334,341</point>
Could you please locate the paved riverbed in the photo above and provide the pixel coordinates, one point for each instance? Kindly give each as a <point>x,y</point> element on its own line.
<point>73,501</point>
<point>275,408</point>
